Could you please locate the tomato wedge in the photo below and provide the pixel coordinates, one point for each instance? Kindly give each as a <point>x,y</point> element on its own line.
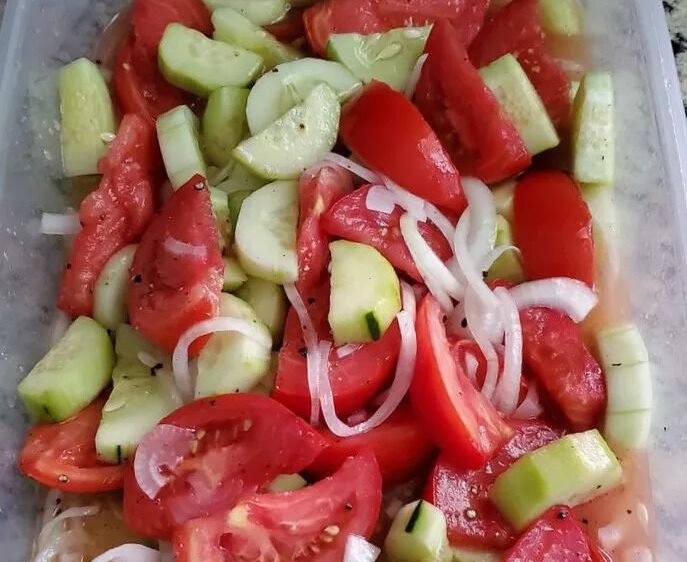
<point>554,351</point>
<point>231,459</point>
<point>389,133</point>
<point>457,417</point>
<point>356,378</point>
<point>169,291</point>
<point>350,219</point>
<point>400,445</point>
<point>466,115</point>
<point>113,215</point>
<point>553,227</point>
<point>463,494</point>
<point>318,191</point>
<point>62,455</point>
<point>289,28</point>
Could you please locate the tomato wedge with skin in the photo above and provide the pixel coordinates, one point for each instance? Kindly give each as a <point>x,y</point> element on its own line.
<point>388,132</point>
<point>355,378</point>
<point>169,290</point>
<point>113,215</point>
<point>465,114</point>
<point>463,494</point>
<point>311,524</point>
<point>552,226</point>
<point>63,456</point>
<point>350,219</point>
<point>290,28</point>
<point>319,190</point>
<point>244,441</point>
<point>400,445</point>
<point>456,416</point>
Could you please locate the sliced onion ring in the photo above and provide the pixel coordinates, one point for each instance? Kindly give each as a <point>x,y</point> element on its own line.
<point>412,204</point>
<point>360,171</point>
<point>415,76</point>
<point>474,317</point>
<point>61,224</point>
<point>179,248</point>
<point>530,407</point>
<point>129,553</point>
<point>570,296</point>
<point>508,388</point>
<point>482,236</point>
<point>380,199</point>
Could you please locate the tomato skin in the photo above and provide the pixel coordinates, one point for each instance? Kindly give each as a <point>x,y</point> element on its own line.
<point>289,28</point>
<point>400,445</point>
<point>350,219</point>
<point>456,416</point>
<point>318,192</point>
<point>456,490</point>
<point>355,378</point>
<point>168,293</point>
<point>466,115</point>
<point>390,134</point>
<point>554,351</point>
<point>113,215</point>
<point>63,456</point>
<point>283,526</point>
<point>232,462</point>
<point>552,226</point>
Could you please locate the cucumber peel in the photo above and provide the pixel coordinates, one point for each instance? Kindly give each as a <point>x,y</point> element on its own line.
<point>177,133</point>
<point>418,534</point>
<point>269,302</point>
<point>109,293</point>
<point>224,123</point>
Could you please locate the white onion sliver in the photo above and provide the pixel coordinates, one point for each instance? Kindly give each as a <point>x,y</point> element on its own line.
<point>473,315</point>
<point>359,550</point>
<point>179,248</point>
<point>380,199</point>
<point>482,235</point>
<point>471,366</point>
<point>415,76</point>
<point>530,407</point>
<point>610,536</point>
<point>414,205</point>
<point>440,221</point>
<point>73,512</point>
<point>360,171</point>
<point>347,349</point>
<point>309,334</point>
<point>570,296</point>
<point>508,388</point>
<point>129,553</point>
<point>61,224</point>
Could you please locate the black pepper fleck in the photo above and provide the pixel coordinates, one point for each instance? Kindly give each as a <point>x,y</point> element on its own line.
<point>138,278</point>
<point>303,351</point>
<point>348,507</point>
<point>464,322</point>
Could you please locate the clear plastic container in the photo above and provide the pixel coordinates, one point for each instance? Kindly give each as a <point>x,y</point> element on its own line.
<point>629,38</point>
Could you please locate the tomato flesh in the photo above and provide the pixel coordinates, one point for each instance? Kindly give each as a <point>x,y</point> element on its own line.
<point>289,28</point>
<point>390,134</point>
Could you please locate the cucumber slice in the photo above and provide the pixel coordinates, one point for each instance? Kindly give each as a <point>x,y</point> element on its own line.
<point>234,276</point>
<point>109,294</point>
<point>72,373</point>
<point>387,57</point>
<point>129,344</point>
<point>561,17</point>
<point>220,207</point>
<point>516,94</point>
<point>365,293</point>
<point>231,362</point>
<point>418,534</point>
<point>509,265</point>
<point>224,123</point>
<point>503,194</point>
<point>260,12</point>
<point>266,232</point>
<point>266,386</point>
<point>461,554</point>
<point>593,136</point>
<point>192,62</point>
<point>571,470</point>
<point>574,88</point>
<point>289,84</point>
<point>629,430</point>
<point>269,302</point>
<point>239,178</point>
<point>87,115</point>
<point>236,200</point>
<point>177,133</point>
<point>621,346</point>
<point>232,27</point>
<point>629,388</point>
<point>287,483</point>
<point>295,141</point>
<point>600,199</point>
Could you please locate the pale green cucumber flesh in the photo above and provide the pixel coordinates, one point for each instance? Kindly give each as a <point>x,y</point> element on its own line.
<point>109,293</point>
<point>503,198</point>
<point>621,346</point>
<point>628,388</point>
<point>628,430</point>
<point>508,266</point>
<point>236,177</point>
<point>177,132</point>
<point>260,12</point>
<point>220,208</point>
<point>236,200</point>
<point>224,123</point>
<point>287,483</point>
<point>269,302</point>
<point>418,534</point>
<point>234,276</point>
<point>561,17</point>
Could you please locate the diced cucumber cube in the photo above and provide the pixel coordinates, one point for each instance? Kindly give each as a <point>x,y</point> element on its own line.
<point>234,276</point>
<point>561,17</point>
<point>260,12</point>
<point>224,123</point>
<point>629,430</point>
<point>503,198</point>
<point>109,293</point>
<point>130,344</point>
<point>628,388</point>
<point>177,132</point>
<point>620,346</point>
<point>418,534</point>
<point>269,302</point>
<point>508,266</point>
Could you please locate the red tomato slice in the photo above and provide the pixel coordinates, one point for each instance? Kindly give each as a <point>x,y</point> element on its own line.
<point>289,28</point>
<point>372,16</point>
<point>355,378</point>
<point>390,134</point>
<point>400,446</point>
<point>553,228</point>
<point>556,535</point>
<point>466,115</point>
<point>113,215</point>
<point>457,417</point>
<point>63,456</point>
<point>463,494</point>
<point>350,219</point>
<point>169,292</point>
<point>319,191</point>
<point>516,29</point>
<point>553,349</point>
<point>232,459</point>
<point>311,524</point>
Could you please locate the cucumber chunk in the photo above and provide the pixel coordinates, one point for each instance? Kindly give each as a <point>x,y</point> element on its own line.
<point>365,293</point>
<point>177,133</point>
<point>475,555</point>
<point>621,346</point>
<point>516,94</point>
<point>269,302</point>
<point>129,344</point>
<point>232,27</point>
<point>388,57</point>
<point>629,430</point>
<point>561,17</point>
<point>287,483</point>
<point>508,266</point>
<point>628,388</point>
<point>503,198</point>
<point>231,362</point>
<point>71,374</point>
<point>87,115</point>
<point>237,177</point>
<point>295,141</point>
<point>418,534</point>
<point>224,123</point>
<point>571,470</point>
<point>260,12</point>
<point>266,232</point>
<point>192,62</point>
<point>109,294</point>
<point>266,385</point>
<point>236,200</point>
<point>234,276</point>
<point>289,84</point>
<point>593,136</point>
<point>220,207</point>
